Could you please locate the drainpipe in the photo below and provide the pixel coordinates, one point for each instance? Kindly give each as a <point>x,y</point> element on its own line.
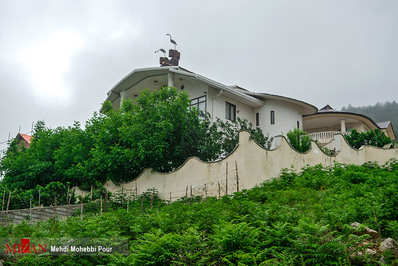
<point>171,80</point>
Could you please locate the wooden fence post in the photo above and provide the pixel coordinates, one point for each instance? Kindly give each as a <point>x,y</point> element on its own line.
<point>191,195</point>
<point>39,196</point>
<point>170,197</point>
<point>81,207</point>
<point>30,209</point>
<point>55,207</point>
<point>186,195</point>
<point>8,205</point>
<point>67,195</point>
<point>226,179</point>
<point>4,196</point>
<point>142,201</point>
<point>91,193</point>
<point>151,199</point>
<point>128,202</point>
<point>205,191</point>
<point>106,201</point>
<point>219,191</point>
<point>237,177</point>
<point>101,205</point>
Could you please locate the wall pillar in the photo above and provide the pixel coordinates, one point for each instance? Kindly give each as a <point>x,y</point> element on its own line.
<point>342,126</point>
<point>170,80</point>
<point>122,96</point>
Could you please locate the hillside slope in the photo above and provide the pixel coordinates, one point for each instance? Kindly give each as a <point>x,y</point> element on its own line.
<point>297,219</point>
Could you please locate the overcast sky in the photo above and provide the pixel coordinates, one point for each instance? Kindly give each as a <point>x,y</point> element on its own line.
<point>59,58</point>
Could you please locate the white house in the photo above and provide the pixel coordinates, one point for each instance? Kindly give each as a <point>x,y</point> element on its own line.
<point>274,114</point>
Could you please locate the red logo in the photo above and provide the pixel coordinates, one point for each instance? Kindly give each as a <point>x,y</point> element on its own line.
<point>25,247</point>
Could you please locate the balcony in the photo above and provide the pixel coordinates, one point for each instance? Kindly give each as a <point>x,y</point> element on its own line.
<point>325,136</point>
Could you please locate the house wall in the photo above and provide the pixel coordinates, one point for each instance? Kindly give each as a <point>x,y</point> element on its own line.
<point>286,117</point>
<point>248,166</point>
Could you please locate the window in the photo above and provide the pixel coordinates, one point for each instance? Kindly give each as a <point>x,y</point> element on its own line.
<point>230,111</point>
<point>199,103</point>
<point>272,113</point>
<point>257,119</point>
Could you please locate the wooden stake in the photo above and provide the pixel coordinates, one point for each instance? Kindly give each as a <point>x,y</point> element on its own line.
<point>237,177</point>
<point>142,201</point>
<point>226,179</point>
<point>205,191</point>
<point>219,191</point>
<point>186,195</point>
<point>67,195</point>
<point>55,207</point>
<point>106,201</point>
<point>191,195</point>
<point>91,193</point>
<point>170,197</point>
<point>136,190</point>
<point>8,205</point>
<point>101,205</point>
<point>128,202</point>
<point>4,196</point>
<point>81,207</point>
<point>151,199</point>
<point>30,209</point>
<point>39,196</point>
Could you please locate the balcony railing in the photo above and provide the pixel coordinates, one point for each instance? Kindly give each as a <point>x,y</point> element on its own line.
<point>325,136</point>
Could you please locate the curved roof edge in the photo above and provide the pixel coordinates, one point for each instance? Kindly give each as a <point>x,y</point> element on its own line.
<point>255,99</point>
<point>331,112</point>
<point>308,108</point>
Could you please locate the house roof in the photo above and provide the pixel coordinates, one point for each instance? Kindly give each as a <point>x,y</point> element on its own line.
<point>25,137</point>
<point>338,114</point>
<point>245,96</point>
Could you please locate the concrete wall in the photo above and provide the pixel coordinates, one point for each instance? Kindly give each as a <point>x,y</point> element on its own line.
<point>249,165</point>
<point>39,213</point>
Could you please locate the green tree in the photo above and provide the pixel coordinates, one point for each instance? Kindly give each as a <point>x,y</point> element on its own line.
<point>299,139</point>
<point>158,130</point>
<point>372,137</point>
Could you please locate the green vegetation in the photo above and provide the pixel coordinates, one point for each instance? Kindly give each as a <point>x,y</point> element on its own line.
<point>379,112</point>
<point>372,137</point>
<point>157,130</point>
<point>298,219</point>
<point>299,139</point>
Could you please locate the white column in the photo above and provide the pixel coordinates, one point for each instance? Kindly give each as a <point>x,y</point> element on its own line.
<point>122,96</point>
<point>171,80</point>
<point>342,126</point>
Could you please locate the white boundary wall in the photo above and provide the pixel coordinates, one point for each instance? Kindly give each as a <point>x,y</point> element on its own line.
<point>254,166</point>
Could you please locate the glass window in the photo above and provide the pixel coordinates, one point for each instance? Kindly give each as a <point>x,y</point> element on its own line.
<point>230,111</point>
<point>199,103</point>
<point>272,117</point>
<point>257,119</point>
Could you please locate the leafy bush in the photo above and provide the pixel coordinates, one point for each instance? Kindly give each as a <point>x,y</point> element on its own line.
<point>299,139</point>
<point>372,137</point>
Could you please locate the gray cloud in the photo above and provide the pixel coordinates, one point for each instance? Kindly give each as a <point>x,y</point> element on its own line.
<point>322,52</point>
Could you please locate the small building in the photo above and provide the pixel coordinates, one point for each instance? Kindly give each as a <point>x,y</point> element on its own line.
<point>24,140</point>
